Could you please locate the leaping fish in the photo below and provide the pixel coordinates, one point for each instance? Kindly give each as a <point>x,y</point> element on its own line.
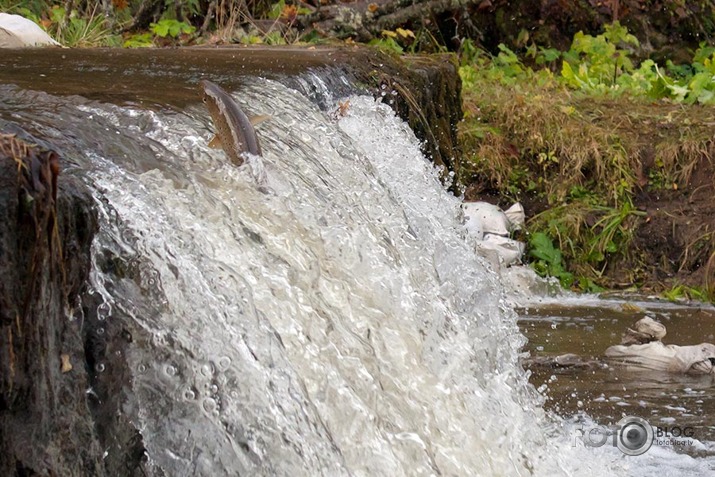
<point>234,130</point>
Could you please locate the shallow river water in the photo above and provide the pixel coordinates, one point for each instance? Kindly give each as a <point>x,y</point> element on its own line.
<point>586,326</point>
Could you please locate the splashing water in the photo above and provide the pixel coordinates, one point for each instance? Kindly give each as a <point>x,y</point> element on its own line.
<point>317,311</point>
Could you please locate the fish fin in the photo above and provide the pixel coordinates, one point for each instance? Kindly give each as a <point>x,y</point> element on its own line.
<point>259,119</point>
<point>215,142</point>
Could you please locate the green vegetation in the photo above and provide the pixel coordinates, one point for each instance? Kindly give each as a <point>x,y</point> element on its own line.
<point>70,28</point>
<point>601,64</point>
<point>682,292</point>
<point>547,259</point>
<point>581,132</point>
<point>135,24</point>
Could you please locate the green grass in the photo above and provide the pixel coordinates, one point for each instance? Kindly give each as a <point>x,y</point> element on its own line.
<point>580,135</point>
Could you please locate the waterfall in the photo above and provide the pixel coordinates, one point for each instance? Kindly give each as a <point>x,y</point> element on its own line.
<point>316,311</point>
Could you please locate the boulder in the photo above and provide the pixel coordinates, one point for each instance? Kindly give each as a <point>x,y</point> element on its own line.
<point>656,356</point>
<point>641,349</point>
<point>19,32</point>
<point>491,227</point>
<point>491,219</point>
<point>644,331</point>
<point>507,251</point>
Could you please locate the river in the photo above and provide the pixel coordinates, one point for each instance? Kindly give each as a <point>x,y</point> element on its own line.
<point>316,311</point>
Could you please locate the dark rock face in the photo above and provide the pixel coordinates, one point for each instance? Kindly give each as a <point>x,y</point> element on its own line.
<point>438,92</point>
<point>56,416</point>
<point>45,234</point>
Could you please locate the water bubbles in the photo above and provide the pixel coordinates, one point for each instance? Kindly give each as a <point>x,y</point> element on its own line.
<point>141,369</point>
<point>100,331</point>
<point>128,236</point>
<point>152,278</point>
<point>170,370</point>
<point>213,389</point>
<point>210,405</point>
<point>189,395</point>
<point>104,310</point>
<point>100,367</point>
<point>224,362</point>
<point>208,370</point>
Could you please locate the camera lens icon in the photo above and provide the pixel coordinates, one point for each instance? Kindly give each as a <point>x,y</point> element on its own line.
<point>635,435</point>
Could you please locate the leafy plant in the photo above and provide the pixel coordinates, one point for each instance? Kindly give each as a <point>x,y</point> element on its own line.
<point>74,30</point>
<point>139,40</point>
<point>601,64</point>
<point>387,44</point>
<point>544,57</point>
<point>610,232</point>
<point>163,31</point>
<point>599,60</point>
<point>171,28</point>
<point>394,41</point>
<point>280,10</point>
<point>469,52</point>
<point>30,9</point>
<point>682,292</point>
<point>548,259</point>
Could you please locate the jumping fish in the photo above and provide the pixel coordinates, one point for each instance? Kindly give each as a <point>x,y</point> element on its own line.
<point>234,130</point>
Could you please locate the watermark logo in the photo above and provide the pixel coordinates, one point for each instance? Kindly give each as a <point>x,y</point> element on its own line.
<point>634,436</point>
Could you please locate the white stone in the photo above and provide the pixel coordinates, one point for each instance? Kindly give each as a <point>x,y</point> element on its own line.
<point>473,225</point>
<point>493,220</point>
<point>19,32</point>
<point>522,284</point>
<point>516,216</point>
<point>656,356</point>
<point>508,251</point>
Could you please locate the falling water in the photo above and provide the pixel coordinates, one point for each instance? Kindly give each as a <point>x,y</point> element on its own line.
<point>316,311</point>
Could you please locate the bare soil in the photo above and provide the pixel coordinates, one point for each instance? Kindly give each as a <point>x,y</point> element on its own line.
<point>675,240</point>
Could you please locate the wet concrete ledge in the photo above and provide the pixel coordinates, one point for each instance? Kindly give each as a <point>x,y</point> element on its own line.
<point>428,88</point>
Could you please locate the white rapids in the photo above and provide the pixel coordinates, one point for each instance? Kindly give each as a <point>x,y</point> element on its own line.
<point>317,311</point>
